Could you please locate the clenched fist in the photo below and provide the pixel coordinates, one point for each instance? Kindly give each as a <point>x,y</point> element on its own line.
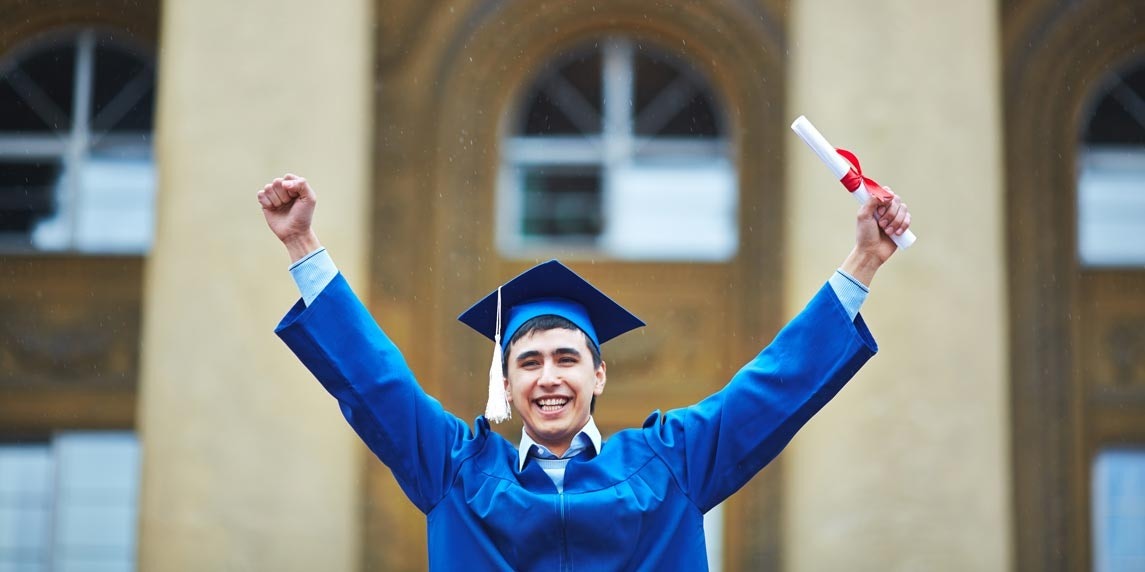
<point>288,204</point>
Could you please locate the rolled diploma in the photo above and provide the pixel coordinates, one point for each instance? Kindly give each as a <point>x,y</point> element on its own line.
<point>839,167</point>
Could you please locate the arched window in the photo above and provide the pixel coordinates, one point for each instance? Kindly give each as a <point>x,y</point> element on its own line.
<point>76,168</point>
<point>1111,180</point>
<point>1111,247</point>
<point>618,149</point>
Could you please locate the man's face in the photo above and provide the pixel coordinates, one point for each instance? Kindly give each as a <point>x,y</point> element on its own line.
<point>551,383</point>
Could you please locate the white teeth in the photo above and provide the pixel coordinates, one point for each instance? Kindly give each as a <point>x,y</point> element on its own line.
<point>552,402</point>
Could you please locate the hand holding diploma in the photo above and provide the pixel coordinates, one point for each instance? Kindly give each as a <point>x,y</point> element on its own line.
<point>845,167</point>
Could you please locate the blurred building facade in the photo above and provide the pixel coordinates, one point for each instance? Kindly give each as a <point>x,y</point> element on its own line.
<point>149,419</point>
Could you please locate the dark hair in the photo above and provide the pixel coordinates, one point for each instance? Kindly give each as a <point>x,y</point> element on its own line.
<point>543,324</point>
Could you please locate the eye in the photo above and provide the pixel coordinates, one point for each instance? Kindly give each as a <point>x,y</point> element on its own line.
<point>569,360</point>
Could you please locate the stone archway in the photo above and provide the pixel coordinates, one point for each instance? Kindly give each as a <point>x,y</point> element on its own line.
<point>1055,53</point>
<point>467,78</point>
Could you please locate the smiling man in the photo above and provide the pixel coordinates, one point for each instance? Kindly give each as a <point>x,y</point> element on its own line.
<point>554,381</point>
<point>562,499</point>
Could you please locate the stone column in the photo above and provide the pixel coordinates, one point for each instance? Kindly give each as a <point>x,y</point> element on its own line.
<point>247,464</point>
<point>908,469</point>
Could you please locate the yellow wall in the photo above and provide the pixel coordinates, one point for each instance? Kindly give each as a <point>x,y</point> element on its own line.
<point>909,467</point>
<point>247,463</point>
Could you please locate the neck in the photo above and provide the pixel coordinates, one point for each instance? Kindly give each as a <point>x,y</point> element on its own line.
<point>559,447</point>
<point>559,450</point>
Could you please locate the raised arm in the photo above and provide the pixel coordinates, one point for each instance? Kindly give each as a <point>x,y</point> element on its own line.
<point>873,247</point>
<point>717,445</point>
<point>338,340</point>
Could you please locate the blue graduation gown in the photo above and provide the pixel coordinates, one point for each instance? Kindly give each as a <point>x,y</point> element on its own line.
<point>637,505</point>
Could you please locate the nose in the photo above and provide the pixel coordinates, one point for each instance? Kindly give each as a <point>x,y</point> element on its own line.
<point>549,375</point>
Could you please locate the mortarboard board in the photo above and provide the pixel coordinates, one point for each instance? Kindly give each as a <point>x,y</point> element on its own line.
<point>550,288</point>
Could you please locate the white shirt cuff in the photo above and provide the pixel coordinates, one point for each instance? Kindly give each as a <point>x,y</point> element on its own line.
<point>850,291</point>
<point>313,273</point>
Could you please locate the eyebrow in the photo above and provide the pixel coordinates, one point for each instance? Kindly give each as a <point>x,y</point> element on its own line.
<point>536,353</point>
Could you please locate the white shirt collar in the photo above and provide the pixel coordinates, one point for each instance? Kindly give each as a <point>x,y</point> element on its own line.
<point>589,431</point>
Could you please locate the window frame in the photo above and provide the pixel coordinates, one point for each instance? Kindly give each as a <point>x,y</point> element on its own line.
<point>74,147</point>
<point>615,145</point>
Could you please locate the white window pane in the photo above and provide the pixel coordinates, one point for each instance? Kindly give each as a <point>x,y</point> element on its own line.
<point>113,213</point>
<point>95,520</point>
<point>21,566</point>
<point>103,463</point>
<point>87,564</point>
<point>1111,207</point>
<point>25,469</point>
<point>24,529</point>
<point>102,524</point>
<point>25,506</point>
<point>673,212</point>
<point>116,211</point>
<point>1119,511</point>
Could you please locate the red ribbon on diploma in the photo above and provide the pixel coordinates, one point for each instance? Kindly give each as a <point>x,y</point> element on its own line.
<point>855,177</point>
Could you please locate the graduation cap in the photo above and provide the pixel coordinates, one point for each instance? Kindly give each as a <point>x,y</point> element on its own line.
<point>546,289</point>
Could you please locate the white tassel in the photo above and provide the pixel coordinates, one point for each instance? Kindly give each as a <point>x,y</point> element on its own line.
<point>497,408</point>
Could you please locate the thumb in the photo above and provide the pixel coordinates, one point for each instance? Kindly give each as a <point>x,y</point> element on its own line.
<point>868,210</point>
<point>298,188</point>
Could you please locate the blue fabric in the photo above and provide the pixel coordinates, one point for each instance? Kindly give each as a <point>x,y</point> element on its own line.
<point>567,309</point>
<point>638,504</point>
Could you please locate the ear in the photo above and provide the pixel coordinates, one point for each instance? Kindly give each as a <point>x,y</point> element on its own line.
<point>508,390</point>
<point>601,379</point>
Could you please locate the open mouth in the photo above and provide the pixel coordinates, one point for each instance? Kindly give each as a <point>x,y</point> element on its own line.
<point>551,404</point>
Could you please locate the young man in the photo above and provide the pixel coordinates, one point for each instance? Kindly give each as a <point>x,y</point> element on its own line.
<point>562,498</point>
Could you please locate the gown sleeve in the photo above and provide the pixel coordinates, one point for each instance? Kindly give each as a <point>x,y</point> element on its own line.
<point>714,447</point>
<point>337,339</point>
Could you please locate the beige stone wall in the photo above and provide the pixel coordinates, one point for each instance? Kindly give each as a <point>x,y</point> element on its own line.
<point>908,469</point>
<point>247,462</point>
